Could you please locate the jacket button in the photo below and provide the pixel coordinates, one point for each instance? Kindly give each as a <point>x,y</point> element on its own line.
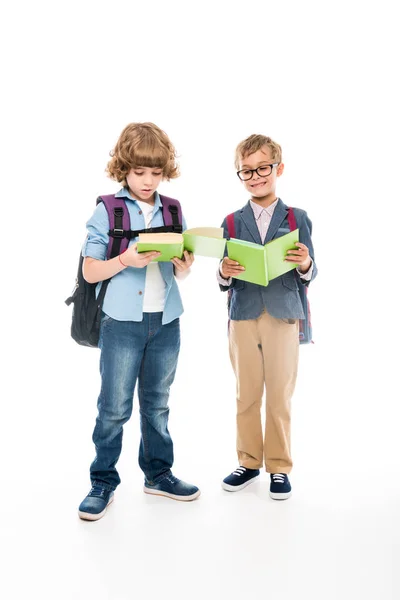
<point>140,293</point>
<point>140,212</point>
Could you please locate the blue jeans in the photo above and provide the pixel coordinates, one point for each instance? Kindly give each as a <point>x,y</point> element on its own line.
<point>146,351</point>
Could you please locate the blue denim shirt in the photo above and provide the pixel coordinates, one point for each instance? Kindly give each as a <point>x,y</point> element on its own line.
<point>125,292</point>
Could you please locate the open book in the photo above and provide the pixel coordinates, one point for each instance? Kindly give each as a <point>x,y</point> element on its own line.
<point>263,263</point>
<point>203,241</point>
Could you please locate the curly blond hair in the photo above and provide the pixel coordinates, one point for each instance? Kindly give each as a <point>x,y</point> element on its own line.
<point>256,142</point>
<point>142,145</point>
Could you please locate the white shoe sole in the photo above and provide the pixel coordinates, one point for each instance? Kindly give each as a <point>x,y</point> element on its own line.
<point>280,496</point>
<point>90,517</point>
<point>172,496</point>
<point>237,488</point>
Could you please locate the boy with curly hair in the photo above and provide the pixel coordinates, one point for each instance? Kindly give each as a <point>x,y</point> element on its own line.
<point>139,333</point>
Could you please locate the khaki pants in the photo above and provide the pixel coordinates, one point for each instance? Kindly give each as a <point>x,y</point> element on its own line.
<point>264,351</point>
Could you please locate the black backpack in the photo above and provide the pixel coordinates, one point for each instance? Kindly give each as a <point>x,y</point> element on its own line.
<point>87,309</point>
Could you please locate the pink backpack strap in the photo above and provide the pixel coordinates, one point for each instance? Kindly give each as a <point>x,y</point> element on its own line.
<point>292,220</point>
<point>305,326</point>
<point>230,221</point>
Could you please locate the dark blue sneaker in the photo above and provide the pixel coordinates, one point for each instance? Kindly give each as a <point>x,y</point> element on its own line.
<point>174,488</point>
<point>280,488</point>
<point>94,506</point>
<point>239,479</point>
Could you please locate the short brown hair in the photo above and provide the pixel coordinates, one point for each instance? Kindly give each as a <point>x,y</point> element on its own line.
<point>256,142</point>
<point>142,145</point>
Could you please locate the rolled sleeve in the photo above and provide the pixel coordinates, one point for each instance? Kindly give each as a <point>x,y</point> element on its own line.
<point>96,243</point>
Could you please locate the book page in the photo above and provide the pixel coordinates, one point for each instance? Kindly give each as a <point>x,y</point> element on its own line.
<point>160,238</point>
<point>212,232</point>
<point>276,251</point>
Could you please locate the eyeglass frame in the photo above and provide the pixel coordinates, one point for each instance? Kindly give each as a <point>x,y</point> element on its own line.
<point>272,165</point>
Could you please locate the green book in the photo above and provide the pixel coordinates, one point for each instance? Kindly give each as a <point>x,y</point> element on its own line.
<point>276,252</point>
<point>169,244</point>
<point>205,241</point>
<point>263,263</point>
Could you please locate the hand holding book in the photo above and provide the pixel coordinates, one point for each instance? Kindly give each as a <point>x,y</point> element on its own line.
<point>263,263</point>
<point>230,268</point>
<point>184,263</point>
<point>131,258</point>
<point>300,256</point>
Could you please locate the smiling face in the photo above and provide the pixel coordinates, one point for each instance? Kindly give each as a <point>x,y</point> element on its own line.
<point>261,188</point>
<point>143,182</point>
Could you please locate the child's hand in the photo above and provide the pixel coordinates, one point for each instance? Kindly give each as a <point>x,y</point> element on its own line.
<point>186,263</point>
<point>230,268</point>
<point>132,258</point>
<point>300,256</point>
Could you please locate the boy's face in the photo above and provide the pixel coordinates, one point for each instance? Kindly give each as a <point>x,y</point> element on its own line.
<point>260,186</point>
<point>143,182</point>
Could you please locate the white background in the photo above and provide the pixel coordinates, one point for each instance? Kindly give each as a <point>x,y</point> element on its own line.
<point>318,77</point>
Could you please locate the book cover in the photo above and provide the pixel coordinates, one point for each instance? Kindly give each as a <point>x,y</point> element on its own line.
<point>276,251</point>
<point>263,263</point>
<point>252,257</point>
<point>169,244</point>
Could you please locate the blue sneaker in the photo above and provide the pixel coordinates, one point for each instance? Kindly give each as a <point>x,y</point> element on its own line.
<point>172,487</point>
<point>94,506</point>
<point>239,479</point>
<point>280,488</point>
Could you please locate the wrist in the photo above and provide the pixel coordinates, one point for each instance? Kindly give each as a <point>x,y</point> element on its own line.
<point>222,274</point>
<point>122,263</point>
<point>304,268</point>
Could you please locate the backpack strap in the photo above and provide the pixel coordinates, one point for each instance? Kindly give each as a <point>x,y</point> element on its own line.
<point>293,226</point>
<point>292,220</point>
<point>230,221</point>
<point>120,232</point>
<point>120,224</point>
<point>172,214</point>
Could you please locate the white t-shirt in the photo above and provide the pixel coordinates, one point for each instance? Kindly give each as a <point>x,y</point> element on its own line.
<point>154,291</point>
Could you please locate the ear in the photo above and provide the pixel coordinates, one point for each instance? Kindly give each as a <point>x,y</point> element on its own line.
<point>280,169</point>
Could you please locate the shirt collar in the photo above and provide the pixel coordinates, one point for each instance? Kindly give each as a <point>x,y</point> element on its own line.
<point>124,193</point>
<point>257,209</point>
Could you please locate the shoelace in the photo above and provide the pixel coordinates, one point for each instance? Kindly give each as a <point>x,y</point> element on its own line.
<point>239,471</point>
<point>97,491</point>
<point>278,478</point>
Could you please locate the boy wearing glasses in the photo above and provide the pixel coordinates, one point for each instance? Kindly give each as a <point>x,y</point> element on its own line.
<point>264,322</point>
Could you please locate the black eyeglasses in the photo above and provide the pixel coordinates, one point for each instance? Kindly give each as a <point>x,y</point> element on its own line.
<point>264,171</point>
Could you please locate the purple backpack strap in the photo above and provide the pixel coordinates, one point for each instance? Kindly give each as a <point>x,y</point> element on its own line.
<point>111,203</point>
<point>167,215</point>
